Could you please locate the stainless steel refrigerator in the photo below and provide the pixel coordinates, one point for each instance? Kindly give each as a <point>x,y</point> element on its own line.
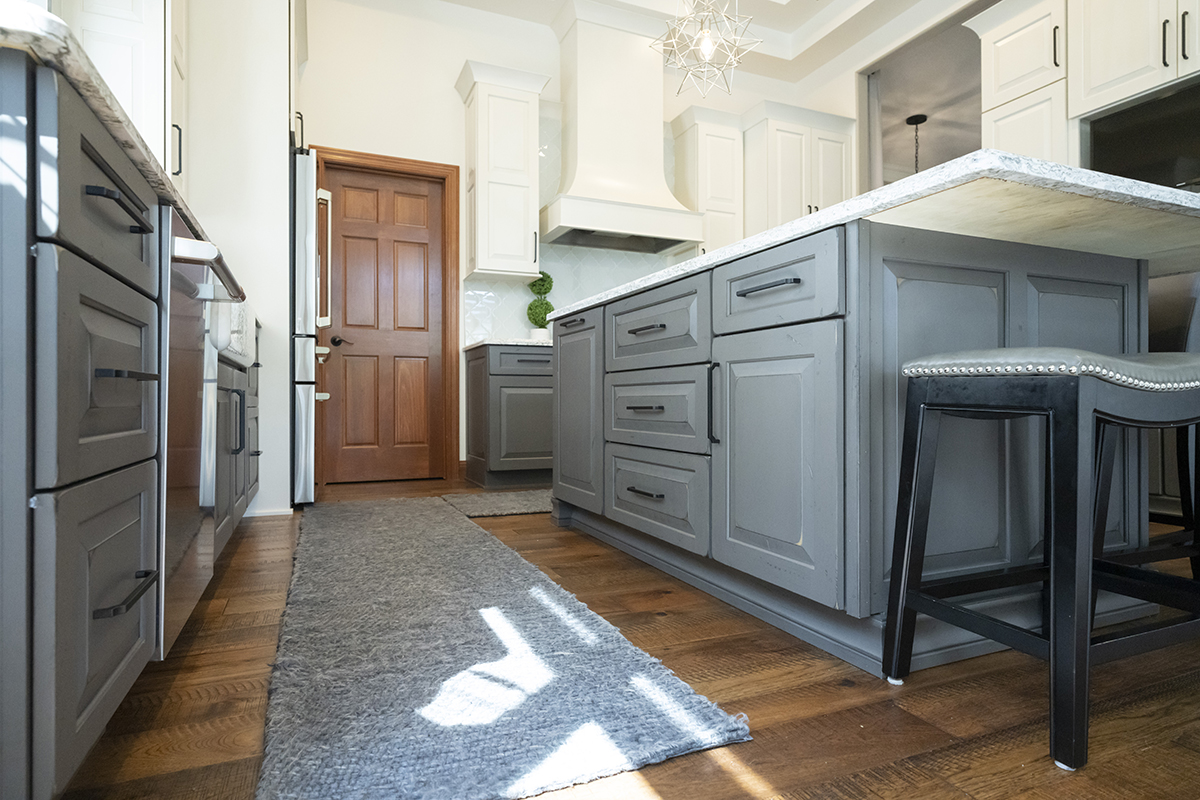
<point>309,298</point>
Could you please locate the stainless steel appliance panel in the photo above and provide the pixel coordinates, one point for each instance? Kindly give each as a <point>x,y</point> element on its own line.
<point>306,431</point>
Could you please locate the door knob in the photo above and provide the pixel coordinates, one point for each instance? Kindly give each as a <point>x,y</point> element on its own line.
<point>338,341</point>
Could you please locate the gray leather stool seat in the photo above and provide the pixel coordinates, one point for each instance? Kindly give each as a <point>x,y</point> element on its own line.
<point>1086,398</point>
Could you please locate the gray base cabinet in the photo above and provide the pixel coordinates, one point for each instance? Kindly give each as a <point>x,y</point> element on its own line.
<point>510,395</point>
<point>578,420</point>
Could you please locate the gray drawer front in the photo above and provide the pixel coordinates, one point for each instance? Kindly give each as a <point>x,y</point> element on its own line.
<point>506,360</point>
<point>661,493</point>
<point>74,152</point>
<point>665,407</point>
<point>760,291</point>
<point>662,327</point>
<point>87,323</point>
<point>92,544</point>
<point>520,409</point>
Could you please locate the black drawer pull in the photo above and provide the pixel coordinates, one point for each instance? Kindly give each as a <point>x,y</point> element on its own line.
<point>256,365</point>
<point>644,493</point>
<point>241,393</point>
<point>148,578</point>
<point>712,439</point>
<point>645,408</point>
<point>178,148</point>
<point>142,225</point>
<point>771,285</point>
<point>533,361</point>
<point>572,322</point>
<point>1054,40</point>
<point>657,326</point>
<point>255,453</point>
<point>126,373</point>
<point>1182,37</point>
<point>1166,22</point>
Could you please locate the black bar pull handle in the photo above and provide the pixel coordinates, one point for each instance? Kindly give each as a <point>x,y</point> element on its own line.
<point>573,322</point>
<point>178,148</point>
<point>1054,42</point>
<point>126,373</point>
<point>255,453</point>
<point>657,326</point>
<point>147,577</point>
<point>771,285</point>
<point>645,408</point>
<point>242,426</point>
<point>1166,23</point>
<point>644,493</point>
<point>533,361</point>
<point>121,200</point>
<point>712,439</point>
<point>1183,36</point>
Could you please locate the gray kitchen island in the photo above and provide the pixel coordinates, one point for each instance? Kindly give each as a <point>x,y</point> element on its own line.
<point>735,420</point>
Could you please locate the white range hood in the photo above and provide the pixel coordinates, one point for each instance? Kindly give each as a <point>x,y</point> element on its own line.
<point>613,193</point>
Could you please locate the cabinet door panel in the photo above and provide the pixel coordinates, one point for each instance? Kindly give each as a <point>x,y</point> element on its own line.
<point>503,360</point>
<point>1035,125</point>
<point>1022,52</point>
<point>830,169</point>
<point>777,471</point>
<point>1118,48</point>
<point>519,410</point>
<point>579,409</point>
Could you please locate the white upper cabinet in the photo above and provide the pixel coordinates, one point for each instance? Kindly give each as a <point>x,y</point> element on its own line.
<point>1022,48</point>
<point>796,163</point>
<point>1121,48</point>
<point>502,169</point>
<point>1033,125</point>
<point>709,173</point>
<point>178,130</point>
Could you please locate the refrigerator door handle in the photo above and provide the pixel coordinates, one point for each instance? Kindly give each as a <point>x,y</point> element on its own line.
<point>324,196</point>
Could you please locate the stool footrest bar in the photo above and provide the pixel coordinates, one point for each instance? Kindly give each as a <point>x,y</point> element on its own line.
<point>997,630</point>
<point>1144,584</point>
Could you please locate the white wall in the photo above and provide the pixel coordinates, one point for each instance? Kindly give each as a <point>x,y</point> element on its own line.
<point>239,190</point>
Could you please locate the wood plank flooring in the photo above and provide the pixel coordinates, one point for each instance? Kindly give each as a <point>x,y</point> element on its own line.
<point>192,726</point>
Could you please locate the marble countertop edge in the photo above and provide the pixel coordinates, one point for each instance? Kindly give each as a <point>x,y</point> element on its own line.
<point>509,343</point>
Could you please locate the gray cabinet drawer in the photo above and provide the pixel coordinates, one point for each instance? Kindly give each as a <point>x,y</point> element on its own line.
<point>797,281</point>
<point>96,386</point>
<point>658,492</point>
<point>666,407</point>
<point>661,327</point>
<point>504,360</point>
<point>94,549</point>
<point>75,152</point>
<point>519,409</point>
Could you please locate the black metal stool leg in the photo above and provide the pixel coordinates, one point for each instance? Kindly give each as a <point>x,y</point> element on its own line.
<point>917,460</point>
<point>1106,455</point>
<point>1189,485</point>
<point>1073,465</point>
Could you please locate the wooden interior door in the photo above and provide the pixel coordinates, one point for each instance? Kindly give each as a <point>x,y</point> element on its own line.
<point>385,417</point>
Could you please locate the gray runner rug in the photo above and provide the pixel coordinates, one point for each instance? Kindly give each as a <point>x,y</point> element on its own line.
<point>421,658</point>
<point>501,504</point>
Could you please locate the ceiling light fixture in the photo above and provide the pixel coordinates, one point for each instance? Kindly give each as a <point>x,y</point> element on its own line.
<point>706,42</point>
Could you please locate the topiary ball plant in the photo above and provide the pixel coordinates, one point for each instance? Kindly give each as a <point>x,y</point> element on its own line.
<point>539,307</point>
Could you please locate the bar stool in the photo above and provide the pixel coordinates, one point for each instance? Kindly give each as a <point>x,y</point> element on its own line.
<point>1086,398</point>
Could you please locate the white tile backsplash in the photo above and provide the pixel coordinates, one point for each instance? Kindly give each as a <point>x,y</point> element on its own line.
<point>494,308</point>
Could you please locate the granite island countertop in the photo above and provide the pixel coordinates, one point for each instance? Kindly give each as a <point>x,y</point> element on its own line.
<point>49,40</point>
<point>993,195</point>
<point>510,343</point>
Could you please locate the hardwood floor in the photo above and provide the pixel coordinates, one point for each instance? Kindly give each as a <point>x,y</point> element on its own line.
<point>192,726</point>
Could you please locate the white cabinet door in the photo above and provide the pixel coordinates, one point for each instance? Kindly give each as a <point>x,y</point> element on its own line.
<point>1189,37</point>
<point>788,177</point>
<point>829,176</point>
<point>178,131</point>
<point>709,179</point>
<point>1119,48</point>
<point>1034,125</point>
<point>1022,48</point>
<point>126,41</point>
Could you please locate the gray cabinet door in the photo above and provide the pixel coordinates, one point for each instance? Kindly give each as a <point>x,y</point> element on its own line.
<point>96,386</point>
<point>578,409</point>
<point>520,408</point>
<point>797,281</point>
<point>91,195</point>
<point>661,493</point>
<point>477,395</point>
<point>665,408</point>
<point>777,471</point>
<point>661,327</point>
<point>94,549</point>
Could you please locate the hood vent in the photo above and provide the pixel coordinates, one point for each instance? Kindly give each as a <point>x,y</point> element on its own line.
<point>613,193</point>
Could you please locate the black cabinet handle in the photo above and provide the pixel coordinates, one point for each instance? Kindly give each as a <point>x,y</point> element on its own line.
<point>658,326</point>
<point>573,322</point>
<point>178,148</point>
<point>533,361</point>
<point>810,208</point>
<point>711,367</point>
<point>1054,44</point>
<point>644,493</point>
<point>535,247</point>
<point>148,578</point>
<point>256,365</point>
<point>242,425</point>
<point>1183,36</point>
<point>254,453</point>
<point>126,373</point>
<point>645,408</point>
<point>1166,22</point>
<point>121,200</point>
<point>771,285</point>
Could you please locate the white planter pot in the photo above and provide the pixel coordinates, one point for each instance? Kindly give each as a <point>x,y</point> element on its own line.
<point>539,334</point>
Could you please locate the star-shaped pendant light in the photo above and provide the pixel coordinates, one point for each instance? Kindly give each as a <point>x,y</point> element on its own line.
<point>706,43</point>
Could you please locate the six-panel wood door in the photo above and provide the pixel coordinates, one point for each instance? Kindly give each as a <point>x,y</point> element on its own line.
<point>384,419</point>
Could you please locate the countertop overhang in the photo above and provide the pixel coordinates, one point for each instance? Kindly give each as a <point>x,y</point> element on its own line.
<point>994,195</point>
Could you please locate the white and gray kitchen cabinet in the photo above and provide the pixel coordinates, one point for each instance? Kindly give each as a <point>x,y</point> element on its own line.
<point>510,395</point>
